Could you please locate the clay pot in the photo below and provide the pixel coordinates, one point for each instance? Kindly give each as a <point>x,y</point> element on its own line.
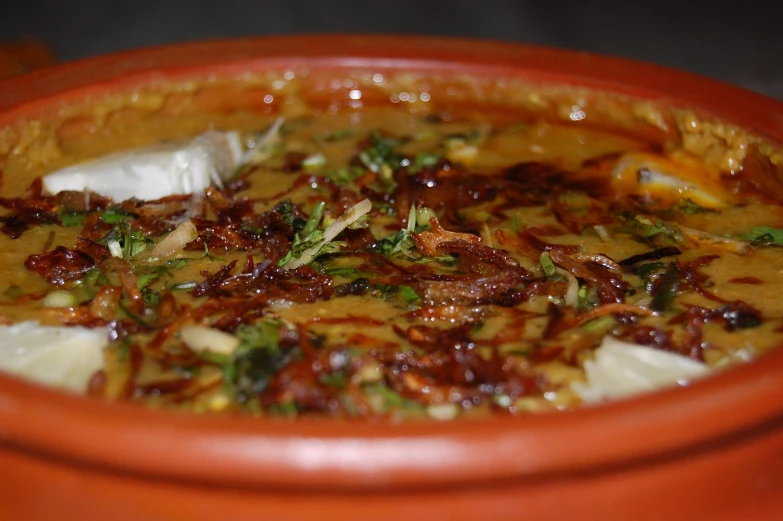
<point>711,451</point>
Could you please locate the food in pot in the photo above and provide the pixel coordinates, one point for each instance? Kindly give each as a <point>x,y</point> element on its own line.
<point>388,265</point>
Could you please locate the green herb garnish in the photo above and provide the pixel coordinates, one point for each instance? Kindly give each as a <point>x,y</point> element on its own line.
<point>287,409</point>
<point>765,235</point>
<point>131,242</point>
<point>337,380</point>
<point>687,206</point>
<point>546,264</point>
<point>337,135</point>
<point>115,215</point>
<point>587,297</point>
<point>344,176</point>
<point>410,295</point>
<point>309,237</point>
<point>150,297</point>
<point>143,281</point>
<point>599,325</point>
<point>652,231</point>
<point>177,264</point>
<point>181,286</point>
<point>71,219</point>
<point>341,271</point>
<point>13,292</point>
<point>258,357</point>
<point>382,158</point>
<point>665,290</point>
<point>391,399</point>
<point>423,160</point>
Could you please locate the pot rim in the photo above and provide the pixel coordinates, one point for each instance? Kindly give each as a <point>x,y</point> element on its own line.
<point>352,455</point>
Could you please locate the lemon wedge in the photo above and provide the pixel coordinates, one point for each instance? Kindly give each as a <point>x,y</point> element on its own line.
<point>622,369</point>
<point>669,180</point>
<point>181,167</point>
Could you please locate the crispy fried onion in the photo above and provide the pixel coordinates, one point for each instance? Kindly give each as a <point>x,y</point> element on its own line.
<point>733,315</point>
<point>301,285</point>
<point>597,270</point>
<point>60,265</point>
<point>451,369</point>
<point>427,242</point>
<point>128,279</point>
<point>487,273</point>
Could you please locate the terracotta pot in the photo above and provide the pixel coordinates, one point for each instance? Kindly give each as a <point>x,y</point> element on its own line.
<point>711,451</point>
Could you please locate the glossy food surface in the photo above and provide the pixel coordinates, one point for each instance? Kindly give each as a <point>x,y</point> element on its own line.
<point>494,255</point>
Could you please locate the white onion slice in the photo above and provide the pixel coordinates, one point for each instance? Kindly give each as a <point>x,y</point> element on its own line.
<point>206,339</point>
<point>572,290</point>
<point>353,214</point>
<point>263,148</point>
<point>443,411</point>
<point>175,241</point>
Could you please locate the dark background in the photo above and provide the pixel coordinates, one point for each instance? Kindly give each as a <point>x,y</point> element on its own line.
<point>738,42</point>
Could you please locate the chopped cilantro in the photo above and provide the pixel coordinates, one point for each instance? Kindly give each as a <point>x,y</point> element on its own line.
<point>286,211</point>
<point>148,274</point>
<point>599,325</point>
<point>665,289</point>
<point>546,264</point>
<point>258,357</point>
<point>300,245</point>
<point>71,219</point>
<point>287,408</point>
<point>764,235</point>
<point>177,264</point>
<point>340,271</point>
<point>409,294</point>
<point>175,286</point>
<point>391,291</point>
<point>115,215</point>
<point>650,269</point>
<point>653,228</point>
<point>13,292</point>
<point>687,206</point>
<point>144,281</point>
<point>314,220</point>
<point>150,297</point>
<point>358,286</point>
<point>587,297</point>
<point>358,224</point>
<point>381,157</point>
<point>337,135</point>
<point>515,224</point>
<point>391,399</point>
<point>133,316</point>
<point>92,280</point>
<point>400,242</point>
<point>423,160</point>
<point>344,176</point>
<point>337,380</point>
<point>130,241</point>
<point>653,231</point>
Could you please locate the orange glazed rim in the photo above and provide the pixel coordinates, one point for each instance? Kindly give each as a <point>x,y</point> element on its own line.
<point>345,455</point>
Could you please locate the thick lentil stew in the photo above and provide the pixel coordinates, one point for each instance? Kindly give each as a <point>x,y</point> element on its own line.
<point>388,263</point>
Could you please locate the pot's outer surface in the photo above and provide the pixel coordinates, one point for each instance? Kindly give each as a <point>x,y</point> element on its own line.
<point>711,451</point>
